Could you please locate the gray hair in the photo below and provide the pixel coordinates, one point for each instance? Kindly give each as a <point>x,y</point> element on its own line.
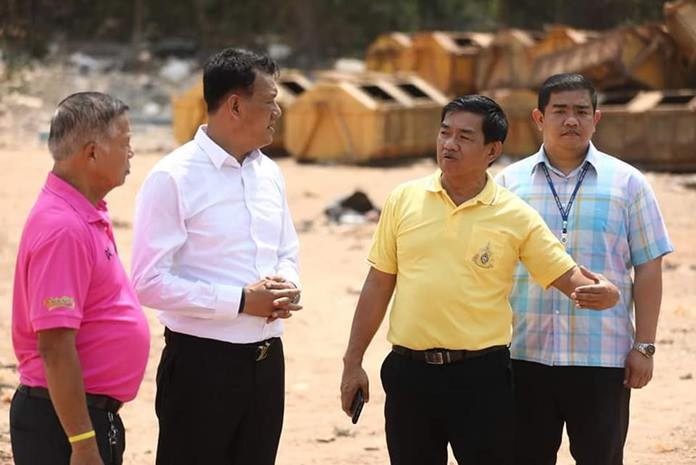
<point>81,118</point>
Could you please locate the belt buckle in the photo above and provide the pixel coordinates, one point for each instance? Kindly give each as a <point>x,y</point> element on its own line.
<point>437,357</point>
<point>262,351</point>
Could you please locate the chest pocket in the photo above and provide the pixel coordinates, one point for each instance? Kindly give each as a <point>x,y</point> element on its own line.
<point>488,252</point>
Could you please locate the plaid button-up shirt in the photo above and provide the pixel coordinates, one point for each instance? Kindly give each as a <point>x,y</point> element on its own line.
<point>614,224</point>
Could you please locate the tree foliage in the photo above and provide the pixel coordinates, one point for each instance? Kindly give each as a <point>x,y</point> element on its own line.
<point>316,30</point>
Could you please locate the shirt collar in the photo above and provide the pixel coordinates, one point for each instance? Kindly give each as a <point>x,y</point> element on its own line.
<point>218,156</point>
<point>540,157</point>
<point>76,199</point>
<point>487,196</point>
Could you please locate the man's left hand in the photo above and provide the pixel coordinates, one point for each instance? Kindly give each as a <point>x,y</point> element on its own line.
<point>601,295</point>
<point>284,306</point>
<point>638,370</point>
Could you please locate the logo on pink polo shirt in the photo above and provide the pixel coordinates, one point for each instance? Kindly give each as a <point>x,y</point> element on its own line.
<point>52,303</point>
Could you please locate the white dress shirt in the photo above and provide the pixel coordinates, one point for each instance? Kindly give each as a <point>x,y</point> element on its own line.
<point>205,227</point>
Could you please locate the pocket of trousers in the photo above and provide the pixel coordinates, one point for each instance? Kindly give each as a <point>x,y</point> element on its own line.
<point>165,373</point>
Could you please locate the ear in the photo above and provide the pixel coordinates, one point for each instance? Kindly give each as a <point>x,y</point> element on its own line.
<point>89,151</point>
<point>597,116</point>
<point>538,118</point>
<point>496,149</point>
<point>233,105</point>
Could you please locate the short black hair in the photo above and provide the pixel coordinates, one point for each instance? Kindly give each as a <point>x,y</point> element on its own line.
<point>233,69</point>
<point>563,82</point>
<point>495,124</point>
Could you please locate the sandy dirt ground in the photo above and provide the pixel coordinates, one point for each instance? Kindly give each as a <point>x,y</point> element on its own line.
<point>663,415</point>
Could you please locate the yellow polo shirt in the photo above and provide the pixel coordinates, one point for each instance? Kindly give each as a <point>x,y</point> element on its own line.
<point>454,264</point>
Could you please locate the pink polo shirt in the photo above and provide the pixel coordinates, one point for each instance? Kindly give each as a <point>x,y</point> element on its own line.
<point>69,275</point>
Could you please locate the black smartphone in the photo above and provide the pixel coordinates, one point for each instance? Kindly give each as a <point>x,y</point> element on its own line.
<point>357,405</point>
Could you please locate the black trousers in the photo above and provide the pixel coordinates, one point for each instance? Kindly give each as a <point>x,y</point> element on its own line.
<point>467,404</point>
<point>216,404</point>
<point>38,437</point>
<point>591,401</point>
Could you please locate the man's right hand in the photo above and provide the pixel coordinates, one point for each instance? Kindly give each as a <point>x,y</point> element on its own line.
<point>263,299</point>
<point>353,377</point>
<point>86,453</point>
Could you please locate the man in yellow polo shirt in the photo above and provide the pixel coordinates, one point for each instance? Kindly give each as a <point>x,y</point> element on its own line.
<point>448,244</point>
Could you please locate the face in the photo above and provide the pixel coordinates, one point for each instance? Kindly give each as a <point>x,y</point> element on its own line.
<point>568,121</point>
<point>259,111</point>
<point>461,150</point>
<point>113,153</point>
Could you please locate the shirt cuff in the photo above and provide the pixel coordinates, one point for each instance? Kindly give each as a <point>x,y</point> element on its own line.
<point>291,275</point>
<point>55,322</point>
<point>227,300</point>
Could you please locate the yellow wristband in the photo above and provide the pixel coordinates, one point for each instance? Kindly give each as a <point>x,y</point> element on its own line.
<point>81,437</point>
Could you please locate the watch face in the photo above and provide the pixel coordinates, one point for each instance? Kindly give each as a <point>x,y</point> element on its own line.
<point>649,349</point>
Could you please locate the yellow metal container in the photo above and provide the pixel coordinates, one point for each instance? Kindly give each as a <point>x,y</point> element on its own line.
<point>360,118</point>
<point>655,130</point>
<point>190,111</point>
<point>559,37</point>
<point>388,53</point>
<point>507,62</point>
<point>447,60</point>
<point>523,136</point>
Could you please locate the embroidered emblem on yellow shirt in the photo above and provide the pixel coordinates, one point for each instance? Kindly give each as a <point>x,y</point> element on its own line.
<point>52,303</point>
<point>484,258</point>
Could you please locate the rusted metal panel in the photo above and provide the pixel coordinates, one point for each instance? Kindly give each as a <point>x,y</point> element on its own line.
<point>654,130</point>
<point>680,17</point>
<point>633,57</point>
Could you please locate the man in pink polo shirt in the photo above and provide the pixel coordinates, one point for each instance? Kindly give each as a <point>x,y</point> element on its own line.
<point>79,333</point>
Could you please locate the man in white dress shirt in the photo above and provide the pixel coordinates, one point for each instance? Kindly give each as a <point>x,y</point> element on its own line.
<point>215,252</point>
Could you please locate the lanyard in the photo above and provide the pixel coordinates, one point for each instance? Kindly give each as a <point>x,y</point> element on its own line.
<point>565,211</point>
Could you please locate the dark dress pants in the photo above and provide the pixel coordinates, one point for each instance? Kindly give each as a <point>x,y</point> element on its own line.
<point>591,401</point>
<point>218,405</point>
<point>38,437</point>
<point>467,404</point>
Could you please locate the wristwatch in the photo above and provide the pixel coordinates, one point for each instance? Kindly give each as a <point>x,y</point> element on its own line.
<point>645,348</point>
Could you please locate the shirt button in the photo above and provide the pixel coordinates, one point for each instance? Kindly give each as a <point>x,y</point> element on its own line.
<point>558,312</point>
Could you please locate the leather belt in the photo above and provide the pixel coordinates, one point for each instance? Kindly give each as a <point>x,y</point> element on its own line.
<point>258,351</point>
<point>443,356</point>
<point>97,401</point>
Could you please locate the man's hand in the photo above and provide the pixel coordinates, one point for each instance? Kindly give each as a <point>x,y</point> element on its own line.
<point>638,370</point>
<point>86,453</point>
<point>353,377</point>
<point>272,298</point>
<point>284,306</point>
<point>598,296</point>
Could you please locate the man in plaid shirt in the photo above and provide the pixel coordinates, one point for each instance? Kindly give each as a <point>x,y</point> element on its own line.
<point>576,367</point>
